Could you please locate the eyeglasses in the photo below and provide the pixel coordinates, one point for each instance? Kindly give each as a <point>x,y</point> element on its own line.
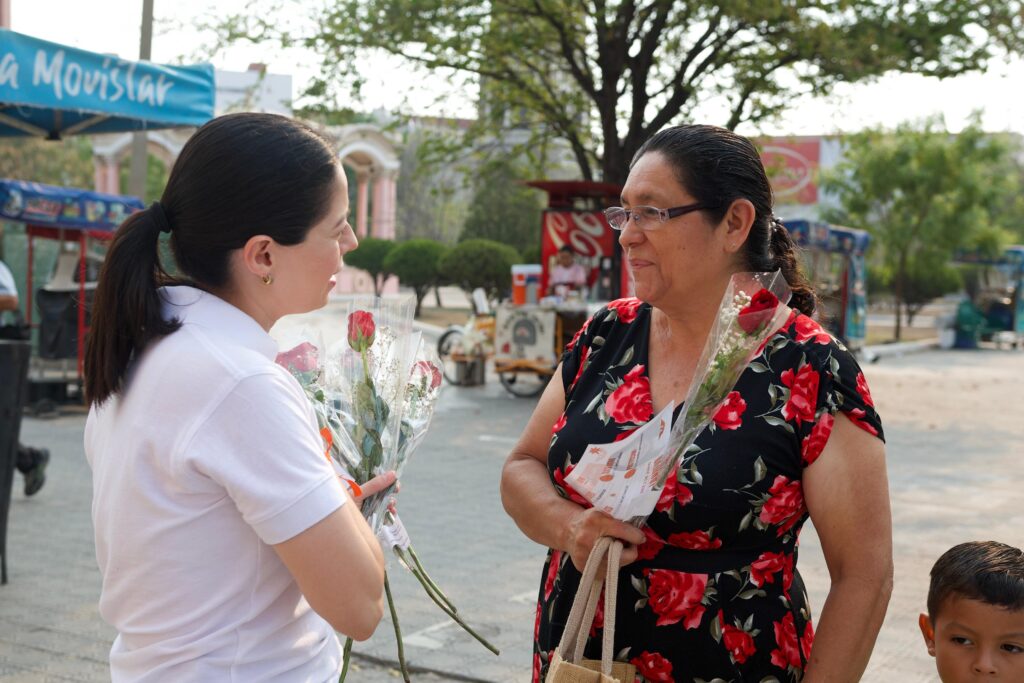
<point>647,217</point>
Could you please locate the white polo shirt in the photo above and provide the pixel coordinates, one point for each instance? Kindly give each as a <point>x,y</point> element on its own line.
<point>210,456</point>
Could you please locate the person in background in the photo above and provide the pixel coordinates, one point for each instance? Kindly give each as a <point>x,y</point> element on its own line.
<point>31,462</point>
<point>567,275</point>
<point>228,548</point>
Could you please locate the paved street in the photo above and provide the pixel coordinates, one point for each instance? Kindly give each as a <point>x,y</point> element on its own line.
<point>955,452</point>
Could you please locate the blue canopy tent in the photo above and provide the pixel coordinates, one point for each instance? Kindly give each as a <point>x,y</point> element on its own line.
<point>68,215</point>
<point>51,90</point>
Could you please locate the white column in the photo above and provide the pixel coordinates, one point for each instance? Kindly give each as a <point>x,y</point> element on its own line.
<point>362,203</point>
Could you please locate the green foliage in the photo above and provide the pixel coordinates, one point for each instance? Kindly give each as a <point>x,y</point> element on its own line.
<point>431,199</point>
<point>480,263</point>
<point>605,76</point>
<point>504,209</point>
<point>925,281</point>
<point>415,262</point>
<point>370,256</point>
<point>67,162</point>
<point>923,194</point>
<point>156,177</point>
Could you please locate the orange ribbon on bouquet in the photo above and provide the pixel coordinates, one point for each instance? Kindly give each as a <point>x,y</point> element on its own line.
<point>329,438</point>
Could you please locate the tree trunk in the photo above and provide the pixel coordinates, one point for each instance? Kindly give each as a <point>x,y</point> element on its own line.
<point>899,289</point>
<point>437,295</point>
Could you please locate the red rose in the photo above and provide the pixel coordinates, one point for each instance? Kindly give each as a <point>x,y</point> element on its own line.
<point>815,442</point>
<point>583,363</point>
<point>653,667</point>
<point>788,652</point>
<point>787,574</point>
<point>430,371</point>
<point>549,582</point>
<point>302,358</point>
<point>673,492</point>
<point>728,416</point>
<point>758,312</point>
<point>625,309</point>
<point>558,425</point>
<point>739,643</point>
<point>694,540</point>
<point>862,389</point>
<point>803,396</point>
<point>569,492</point>
<point>631,402</point>
<point>785,506</point>
<point>361,330</point>
<point>807,641</point>
<point>857,417</point>
<point>807,329</point>
<point>676,596</point>
<point>650,548</point>
<point>765,567</point>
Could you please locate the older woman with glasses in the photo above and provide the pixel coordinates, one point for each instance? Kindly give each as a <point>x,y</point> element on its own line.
<point>709,588</point>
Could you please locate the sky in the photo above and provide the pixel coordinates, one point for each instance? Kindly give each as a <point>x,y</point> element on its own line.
<point>113,26</point>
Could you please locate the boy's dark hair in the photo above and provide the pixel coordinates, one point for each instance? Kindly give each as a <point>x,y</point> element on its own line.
<point>986,571</point>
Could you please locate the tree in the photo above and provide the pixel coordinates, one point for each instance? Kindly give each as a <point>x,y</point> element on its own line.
<point>923,194</point>
<point>430,199</point>
<point>480,263</point>
<point>503,209</point>
<point>416,264</point>
<point>925,282</point>
<point>604,76</point>
<point>68,162</point>
<point>370,256</point>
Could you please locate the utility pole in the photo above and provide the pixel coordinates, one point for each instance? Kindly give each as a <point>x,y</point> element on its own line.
<point>137,178</point>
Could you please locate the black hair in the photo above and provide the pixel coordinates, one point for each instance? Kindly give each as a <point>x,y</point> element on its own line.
<point>567,249</point>
<point>986,571</point>
<point>238,176</point>
<point>718,167</point>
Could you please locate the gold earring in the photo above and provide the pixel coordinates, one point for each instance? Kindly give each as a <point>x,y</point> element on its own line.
<point>267,279</point>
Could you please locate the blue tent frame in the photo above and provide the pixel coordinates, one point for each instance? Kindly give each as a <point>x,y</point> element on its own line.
<point>51,90</point>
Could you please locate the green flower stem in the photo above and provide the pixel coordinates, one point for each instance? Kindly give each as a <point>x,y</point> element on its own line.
<point>437,589</point>
<point>454,617</point>
<point>346,656</point>
<point>398,629</point>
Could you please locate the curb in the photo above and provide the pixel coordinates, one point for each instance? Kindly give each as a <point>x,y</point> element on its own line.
<point>873,353</point>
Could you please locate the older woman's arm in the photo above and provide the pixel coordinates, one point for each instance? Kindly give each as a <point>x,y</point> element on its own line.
<point>532,502</point>
<point>847,495</point>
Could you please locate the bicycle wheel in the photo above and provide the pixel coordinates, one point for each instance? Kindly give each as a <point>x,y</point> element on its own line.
<point>448,342</point>
<point>524,384</point>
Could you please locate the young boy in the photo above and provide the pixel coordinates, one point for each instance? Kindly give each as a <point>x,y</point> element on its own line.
<point>975,622</point>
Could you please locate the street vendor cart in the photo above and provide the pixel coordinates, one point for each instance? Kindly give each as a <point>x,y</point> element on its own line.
<point>833,257</point>
<point>529,336</point>
<point>82,222</point>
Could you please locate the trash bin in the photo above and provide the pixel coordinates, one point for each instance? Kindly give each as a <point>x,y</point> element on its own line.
<point>14,357</point>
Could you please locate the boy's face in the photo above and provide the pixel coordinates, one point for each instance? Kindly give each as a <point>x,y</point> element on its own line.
<point>975,641</point>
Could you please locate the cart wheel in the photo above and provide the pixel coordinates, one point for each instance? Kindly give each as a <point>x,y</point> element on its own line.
<point>523,384</point>
<point>445,345</point>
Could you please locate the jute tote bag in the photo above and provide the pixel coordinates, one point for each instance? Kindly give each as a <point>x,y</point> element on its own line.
<point>568,665</point>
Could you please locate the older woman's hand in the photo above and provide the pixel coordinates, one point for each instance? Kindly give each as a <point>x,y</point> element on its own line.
<point>589,525</point>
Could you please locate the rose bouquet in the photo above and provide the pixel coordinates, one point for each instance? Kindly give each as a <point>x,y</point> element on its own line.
<point>374,396</point>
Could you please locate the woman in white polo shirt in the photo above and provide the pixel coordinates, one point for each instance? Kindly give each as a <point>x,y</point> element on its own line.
<point>228,547</point>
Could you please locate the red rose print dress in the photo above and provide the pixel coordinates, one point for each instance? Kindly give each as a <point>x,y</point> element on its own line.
<point>715,595</point>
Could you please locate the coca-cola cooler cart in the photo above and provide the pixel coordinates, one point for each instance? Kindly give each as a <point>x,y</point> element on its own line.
<point>533,328</point>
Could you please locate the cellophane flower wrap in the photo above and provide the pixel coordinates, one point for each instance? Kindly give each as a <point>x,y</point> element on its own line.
<point>374,394</point>
<point>753,308</point>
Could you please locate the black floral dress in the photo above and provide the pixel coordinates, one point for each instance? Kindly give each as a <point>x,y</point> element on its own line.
<point>715,595</point>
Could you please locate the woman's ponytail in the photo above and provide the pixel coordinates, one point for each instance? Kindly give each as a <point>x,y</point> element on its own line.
<point>127,311</point>
<point>783,251</point>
